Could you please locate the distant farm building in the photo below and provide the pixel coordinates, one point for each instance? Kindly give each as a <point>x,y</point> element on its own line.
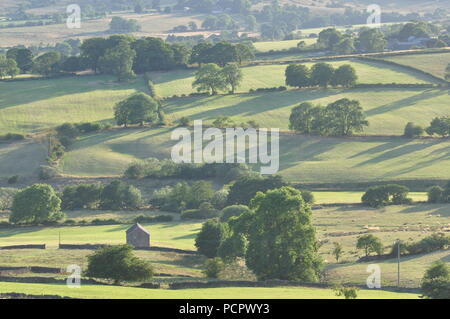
<point>138,237</point>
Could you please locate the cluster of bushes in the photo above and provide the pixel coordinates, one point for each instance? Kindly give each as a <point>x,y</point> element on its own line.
<point>274,89</point>
<point>6,197</point>
<point>155,168</point>
<point>115,196</point>
<point>10,137</point>
<point>199,199</point>
<point>382,195</point>
<point>340,118</point>
<point>436,281</point>
<point>439,126</point>
<point>321,75</point>
<point>437,194</point>
<point>223,121</point>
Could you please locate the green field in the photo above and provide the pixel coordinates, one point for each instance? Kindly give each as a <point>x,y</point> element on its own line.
<point>111,292</point>
<point>302,158</point>
<point>281,45</point>
<point>431,63</point>
<point>180,82</point>
<point>326,197</point>
<point>177,235</point>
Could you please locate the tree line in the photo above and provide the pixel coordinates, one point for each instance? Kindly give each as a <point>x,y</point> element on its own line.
<point>321,75</point>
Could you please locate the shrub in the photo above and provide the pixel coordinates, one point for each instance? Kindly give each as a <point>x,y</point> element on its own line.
<point>47,172</point>
<point>346,292</point>
<point>429,244</point>
<point>412,130</point>
<point>307,196</point>
<point>12,137</point>
<point>36,204</point>
<point>184,121</point>
<point>435,194</point>
<point>211,237</point>
<point>382,195</point>
<point>213,267</point>
<point>119,264</point>
<point>13,179</point>
<point>89,127</point>
<point>233,247</point>
<point>205,211</point>
<point>118,195</point>
<point>436,281</point>
<point>68,130</point>
<point>370,244</point>
<point>81,196</point>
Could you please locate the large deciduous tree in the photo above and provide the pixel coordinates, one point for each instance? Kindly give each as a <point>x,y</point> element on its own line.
<point>47,63</point>
<point>233,76</point>
<point>36,204</point>
<point>345,117</point>
<point>282,240</point>
<point>210,78</point>
<point>118,61</point>
<point>298,75</point>
<point>137,109</point>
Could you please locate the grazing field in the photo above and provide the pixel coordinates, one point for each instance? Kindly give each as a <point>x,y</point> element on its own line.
<point>326,197</point>
<point>281,45</point>
<point>431,63</point>
<point>155,25</point>
<point>111,292</point>
<point>30,106</point>
<point>23,158</point>
<point>180,82</point>
<point>302,158</point>
<point>176,235</point>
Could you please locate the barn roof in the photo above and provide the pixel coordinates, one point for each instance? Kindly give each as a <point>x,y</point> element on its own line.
<point>137,226</point>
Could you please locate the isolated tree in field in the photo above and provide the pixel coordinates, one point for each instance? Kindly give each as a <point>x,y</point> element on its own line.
<point>439,126</point>
<point>370,244</point>
<point>434,194</point>
<point>337,251</point>
<point>302,118</point>
<point>47,63</point>
<point>119,264</point>
<point>118,195</point>
<point>322,74</point>
<point>298,75</point>
<point>345,75</point>
<point>36,204</point>
<point>211,236</point>
<point>233,76</point>
<point>346,117</point>
<point>23,58</point>
<point>436,281</point>
<point>118,61</point>
<point>282,240</point>
<point>8,67</point>
<point>210,78</point>
<point>137,109</point>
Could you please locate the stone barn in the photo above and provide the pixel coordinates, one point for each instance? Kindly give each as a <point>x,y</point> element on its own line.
<point>138,237</point>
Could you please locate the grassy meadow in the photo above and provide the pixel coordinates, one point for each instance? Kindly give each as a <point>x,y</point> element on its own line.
<point>111,292</point>
<point>180,82</point>
<point>266,46</point>
<point>431,63</point>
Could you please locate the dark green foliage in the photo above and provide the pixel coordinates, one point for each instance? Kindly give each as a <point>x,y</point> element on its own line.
<point>233,247</point>
<point>245,188</point>
<point>121,25</point>
<point>345,76</point>
<point>13,179</point>
<point>282,241</point>
<point>435,194</point>
<point>81,196</point>
<point>36,204</point>
<point>298,75</point>
<point>213,267</point>
<point>429,244</point>
<point>204,211</point>
<point>439,126</point>
<point>370,244</point>
<point>47,64</point>
<point>233,211</point>
<point>436,281</point>
<point>119,264</point>
<point>211,237</point>
<point>412,130</point>
<point>118,195</point>
<point>382,195</point>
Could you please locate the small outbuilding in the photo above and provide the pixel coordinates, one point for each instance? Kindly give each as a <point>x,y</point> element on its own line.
<point>138,236</point>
